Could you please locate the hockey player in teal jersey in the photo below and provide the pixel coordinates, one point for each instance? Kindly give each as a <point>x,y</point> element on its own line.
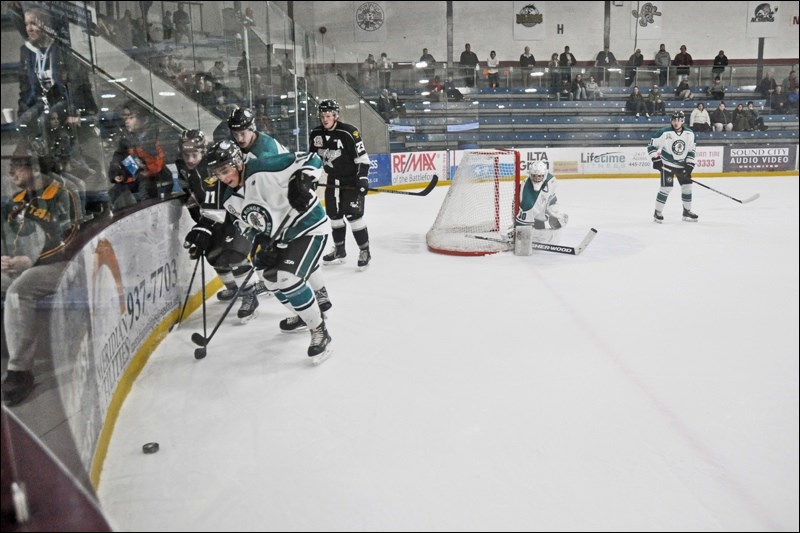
<point>267,191</point>
<point>253,143</point>
<point>539,205</point>
<point>672,150</point>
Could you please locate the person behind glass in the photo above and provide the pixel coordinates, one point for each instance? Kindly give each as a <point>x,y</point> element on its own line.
<point>436,88</point>
<point>451,91</point>
<point>632,68</point>
<point>38,222</point>
<point>683,91</point>
<point>779,102</point>
<point>634,105</point>
<point>526,64</point>
<point>565,92</point>
<point>593,89</point>
<point>430,62</point>
<point>555,73</point>
<point>716,91</point>
<point>655,101</point>
<point>604,61</point>
<point>181,20</point>
<point>683,61</point>
<point>663,61</point>
<point>346,162</point>
<point>672,153</point>
<point>767,85</point>
<point>368,68</point>
<point>578,88</point>
<point>384,70</point>
<point>565,62</point>
<point>721,119</point>
<point>720,62</point>
<point>790,82</point>
<point>137,166</point>
<point>385,107</point>
<point>740,121</point>
<point>167,25</point>
<point>699,120</point>
<point>492,70</point>
<point>468,62</point>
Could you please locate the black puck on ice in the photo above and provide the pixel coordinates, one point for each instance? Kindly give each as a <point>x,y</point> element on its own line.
<point>150,447</point>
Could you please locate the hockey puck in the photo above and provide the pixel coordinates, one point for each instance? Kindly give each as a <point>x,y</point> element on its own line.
<point>150,447</point>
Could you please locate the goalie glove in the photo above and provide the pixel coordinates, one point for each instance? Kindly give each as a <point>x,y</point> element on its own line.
<point>658,163</point>
<point>200,237</point>
<point>300,185</point>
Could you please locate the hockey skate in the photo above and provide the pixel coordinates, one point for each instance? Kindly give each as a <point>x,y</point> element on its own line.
<point>688,216</point>
<point>363,259</point>
<point>294,323</point>
<point>249,308</point>
<point>319,349</point>
<point>323,300</point>
<point>336,257</point>
<point>227,294</point>
<point>658,217</point>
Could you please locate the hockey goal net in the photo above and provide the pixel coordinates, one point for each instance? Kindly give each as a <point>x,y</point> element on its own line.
<point>480,206</point>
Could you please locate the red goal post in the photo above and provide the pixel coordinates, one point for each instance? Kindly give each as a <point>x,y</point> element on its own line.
<point>482,201</point>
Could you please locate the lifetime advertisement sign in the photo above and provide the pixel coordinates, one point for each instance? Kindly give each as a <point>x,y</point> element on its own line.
<point>751,159</point>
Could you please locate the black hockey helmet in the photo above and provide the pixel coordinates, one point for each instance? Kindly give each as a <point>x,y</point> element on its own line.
<point>192,140</point>
<point>329,106</point>
<point>223,153</point>
<point>679,115</point>
<point>242,118</point>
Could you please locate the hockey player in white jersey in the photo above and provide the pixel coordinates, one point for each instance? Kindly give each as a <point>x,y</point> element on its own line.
<point>276,207</point>
<point>538,204</point>
<point>672,150</point>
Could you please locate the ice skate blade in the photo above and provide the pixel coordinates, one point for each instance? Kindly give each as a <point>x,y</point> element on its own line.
<point>321,358</point>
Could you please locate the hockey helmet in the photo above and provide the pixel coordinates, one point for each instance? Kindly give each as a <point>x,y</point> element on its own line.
<point>329,106</point>
<point>678,115</point>
<point>537,171</point>
<point>224,153</point>
<point>242,118</point>
<point>193,140</point>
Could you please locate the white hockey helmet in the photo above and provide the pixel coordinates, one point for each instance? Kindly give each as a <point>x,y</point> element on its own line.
<point>537,171</point>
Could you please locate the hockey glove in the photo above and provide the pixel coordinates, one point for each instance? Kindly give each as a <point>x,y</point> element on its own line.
<point>300,186</point>
<point>363,186</point>
<point>199,237</point>
<point>658,163</point>
<point>688,168</point>
<point>268,258</point>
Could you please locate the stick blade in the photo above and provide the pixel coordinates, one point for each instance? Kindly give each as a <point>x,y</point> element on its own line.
<point>200,353</point>
<point>198,339</point>
<point>753,198</point>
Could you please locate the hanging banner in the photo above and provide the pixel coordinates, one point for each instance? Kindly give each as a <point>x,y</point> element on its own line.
<point>369,21</point>
<point>646,19</point>
<point>529,18</point>
<point>762,19</point>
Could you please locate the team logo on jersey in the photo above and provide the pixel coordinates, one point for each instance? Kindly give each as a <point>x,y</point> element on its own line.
<point>356,134</point>
<point>318,142</point>
<point>679,147</point>
<point>258,217</point>
<point>330,156</point>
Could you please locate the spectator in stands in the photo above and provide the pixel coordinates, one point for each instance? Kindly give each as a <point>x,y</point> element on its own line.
<point>384,70</point>
<point>436,89</point>
<point>740,121</point>
<point>655,102</point>
<point>778,103</point>
<point>792,100</point>
<point>167,25</point>
<point>368,69</point>
<point>754,121</point>
<point>428,59</point>
<point>699,119</point>
<point>555,73</point>
<point>566,61</point>
<point>663,61</point>
<point>38,221</point>
<point>398,106</point>
<point>451,91</point>
<point>767,86</point>
<point>790,82</point>
<point>716,91</point>
<point>469,62</point>
<point>683,61</point>
<point>137,170</point>
<point>526,64</point>
<point>182,20</point>
<point>683,91</point>
<point>124,28</point>
<point>634,105</point>
<point>720,62</point>
<point>578,88</point>
<point>593,89</point>
<point>217,75</point>
<point>385,105</point>
<point>604,61</point>
<point>565,92</point>
<point>105,28</point>
<point>721,118</point>
<point>492,70</point>
<point>632,68</point>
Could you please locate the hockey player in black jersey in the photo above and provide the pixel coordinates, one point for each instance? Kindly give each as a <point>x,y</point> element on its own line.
<point>214,234</point>
<point>347,165</point>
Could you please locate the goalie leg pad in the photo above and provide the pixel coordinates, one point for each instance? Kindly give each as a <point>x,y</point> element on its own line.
<point>523,236</point>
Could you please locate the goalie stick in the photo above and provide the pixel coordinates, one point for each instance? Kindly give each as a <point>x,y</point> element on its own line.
<point>424,192</point>
<point>756,196</point>
<point>557,248</point>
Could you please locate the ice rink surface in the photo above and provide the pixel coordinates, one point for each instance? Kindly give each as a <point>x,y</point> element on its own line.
<point>649,384</point>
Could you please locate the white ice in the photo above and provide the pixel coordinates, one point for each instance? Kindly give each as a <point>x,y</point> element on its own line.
<point>649,384</point>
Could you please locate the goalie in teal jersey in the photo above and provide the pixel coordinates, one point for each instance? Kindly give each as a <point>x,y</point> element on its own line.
<point>672,150</point>
<point>538,206</point>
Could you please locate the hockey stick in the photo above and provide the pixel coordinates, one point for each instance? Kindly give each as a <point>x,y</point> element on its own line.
<point>186,300</point>
<point>424,192</point>
<point>203,340</point>
<point>756,196</point>
<point>557,248</point>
